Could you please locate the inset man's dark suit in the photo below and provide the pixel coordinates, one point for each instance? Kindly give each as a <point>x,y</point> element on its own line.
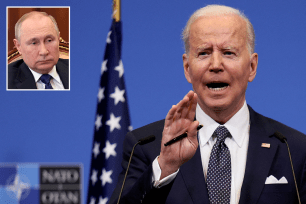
<point>189,186</point>
<point>20,76</point>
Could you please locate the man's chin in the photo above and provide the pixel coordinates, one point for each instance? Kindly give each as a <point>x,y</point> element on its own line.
<point>217,108</point>
<point>216,105</point>
<point>213,108</point>
<point>224,106</point>
<point>44,68</point>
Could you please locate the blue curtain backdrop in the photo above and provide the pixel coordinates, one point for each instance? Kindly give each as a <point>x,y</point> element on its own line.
<point>152,56</point>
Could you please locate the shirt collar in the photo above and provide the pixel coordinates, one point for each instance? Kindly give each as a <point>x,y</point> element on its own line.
<point>53,73</point>
<point>238,125</point>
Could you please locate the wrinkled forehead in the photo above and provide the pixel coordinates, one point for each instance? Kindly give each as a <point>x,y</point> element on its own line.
<point>37,24</point>
<point>228,26</point>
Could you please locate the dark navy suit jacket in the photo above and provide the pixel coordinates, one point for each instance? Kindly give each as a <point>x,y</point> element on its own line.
<point>189,186</point>
<point>20,76</point>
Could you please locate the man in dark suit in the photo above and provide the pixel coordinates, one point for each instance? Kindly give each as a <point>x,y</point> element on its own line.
<point>20,76</point>
<point>37,40</point>
<point>235,157</point>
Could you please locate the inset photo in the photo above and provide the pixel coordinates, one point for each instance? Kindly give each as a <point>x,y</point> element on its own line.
<point>38,48</point>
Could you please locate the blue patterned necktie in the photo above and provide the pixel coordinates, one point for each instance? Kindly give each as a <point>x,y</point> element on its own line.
<point>45,78</point>
<point>219,169</point>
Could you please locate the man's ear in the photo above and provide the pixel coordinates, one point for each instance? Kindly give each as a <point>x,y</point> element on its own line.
<point>253,66</point>
<point>17,45</point>
<point>186,67</point>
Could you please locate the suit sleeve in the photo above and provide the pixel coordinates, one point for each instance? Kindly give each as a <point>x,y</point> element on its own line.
<point>138,185</point>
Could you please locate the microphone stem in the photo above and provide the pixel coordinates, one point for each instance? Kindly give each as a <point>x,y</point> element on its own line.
<point>297,190</point>
<point>127,170</point>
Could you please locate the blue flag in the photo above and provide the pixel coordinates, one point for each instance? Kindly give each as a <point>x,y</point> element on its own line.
<point>112,122</point>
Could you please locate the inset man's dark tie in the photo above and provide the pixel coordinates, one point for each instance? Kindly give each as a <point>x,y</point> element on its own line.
<point>219,169</point>
<point>45,78</point>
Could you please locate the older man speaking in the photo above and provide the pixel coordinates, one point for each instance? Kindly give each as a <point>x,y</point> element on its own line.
<point>37,40</point>
<point>235,157</point>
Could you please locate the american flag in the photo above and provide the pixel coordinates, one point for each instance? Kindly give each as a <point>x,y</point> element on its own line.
<point>112,122</point>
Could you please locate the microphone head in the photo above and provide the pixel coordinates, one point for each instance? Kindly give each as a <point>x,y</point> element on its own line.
<point>280,136</point>
<point>146,140</point>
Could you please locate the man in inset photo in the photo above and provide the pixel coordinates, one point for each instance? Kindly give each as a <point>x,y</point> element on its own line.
<point>37,39</point>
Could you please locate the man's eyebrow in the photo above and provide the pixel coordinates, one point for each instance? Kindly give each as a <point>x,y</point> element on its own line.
<point>230,48</point>
<point>50,36</point>
<point>32,39</point>
<point>37,39</point>
<point>203,47</point>
<point>206,47</point>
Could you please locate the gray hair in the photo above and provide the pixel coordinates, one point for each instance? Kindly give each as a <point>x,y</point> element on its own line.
<point>26,16</point>
<point>214,10</point>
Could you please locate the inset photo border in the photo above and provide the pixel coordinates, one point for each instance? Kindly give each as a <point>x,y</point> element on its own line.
<point>31,56</point>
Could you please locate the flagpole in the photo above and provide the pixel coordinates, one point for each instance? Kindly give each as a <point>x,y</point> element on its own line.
<point>116,10</point>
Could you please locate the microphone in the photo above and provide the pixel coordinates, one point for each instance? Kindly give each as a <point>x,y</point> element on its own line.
<point>283,139</point>
<point>280,136</point>
<point>146,140</point>
<point>142,141</point>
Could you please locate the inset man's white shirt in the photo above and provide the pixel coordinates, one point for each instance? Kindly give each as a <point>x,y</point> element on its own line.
<point>55,80</point>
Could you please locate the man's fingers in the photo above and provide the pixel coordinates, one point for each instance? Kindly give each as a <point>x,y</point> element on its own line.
<point>185,109</point>
<point>170,116</point>
<point>186,105</point>
<point>192,107</point>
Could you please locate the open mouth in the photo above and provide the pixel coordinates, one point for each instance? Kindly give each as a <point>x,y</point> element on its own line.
<point>217,86</point>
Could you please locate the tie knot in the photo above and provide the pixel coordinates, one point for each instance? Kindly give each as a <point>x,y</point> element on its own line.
<point>45,78</point>
<point>222,133</point>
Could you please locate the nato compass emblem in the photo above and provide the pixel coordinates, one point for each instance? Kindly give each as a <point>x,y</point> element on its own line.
<point>34,183</point>
<point>19,183</point>
<point>18,187</point>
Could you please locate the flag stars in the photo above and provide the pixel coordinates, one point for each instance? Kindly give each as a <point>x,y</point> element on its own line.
<point>120,69</point>
<point>106,177</point>
<point>113,122</point>
<point>109,149</point>
<point>96,149</point>
<point>98,122</point>
<point>101,94</point>
<point>111,118</point>
<point>92,200</point>
<point>102,200</point>
<point>108,40</point>
<point>94,177</point>
<point>103,67</point>
<point>118,95</point>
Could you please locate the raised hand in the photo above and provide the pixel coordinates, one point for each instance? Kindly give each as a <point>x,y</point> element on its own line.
<point>180,119</point>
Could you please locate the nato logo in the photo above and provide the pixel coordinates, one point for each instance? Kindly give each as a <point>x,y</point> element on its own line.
<point>33,183</point>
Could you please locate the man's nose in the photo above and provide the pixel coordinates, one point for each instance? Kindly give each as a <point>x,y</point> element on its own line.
<point>216,64</point>
<point>43,50</point>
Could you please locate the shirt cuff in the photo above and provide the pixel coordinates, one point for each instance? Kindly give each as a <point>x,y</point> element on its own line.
<point>157,173</point>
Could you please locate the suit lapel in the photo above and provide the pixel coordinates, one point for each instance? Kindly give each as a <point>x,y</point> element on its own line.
<point>25,78</point>
<point>259,159</point>
<point>63,72</point>
<point>193,176</point>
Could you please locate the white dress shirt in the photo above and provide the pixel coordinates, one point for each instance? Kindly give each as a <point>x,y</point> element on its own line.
<point>238,126</point>
<point>55,81</point>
